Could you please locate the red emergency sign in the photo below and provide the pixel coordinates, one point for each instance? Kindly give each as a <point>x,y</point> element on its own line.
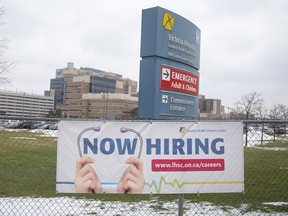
<point>176,80</point>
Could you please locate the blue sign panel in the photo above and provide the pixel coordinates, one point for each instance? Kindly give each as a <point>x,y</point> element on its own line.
<point>169,77</point>
<point>177,106</point>
<point>168,35</point>
<point>152,105</point>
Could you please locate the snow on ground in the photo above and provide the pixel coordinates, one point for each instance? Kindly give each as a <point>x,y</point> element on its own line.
<point>70,206</point>
<point>256,137</point>
<point>46,132</point>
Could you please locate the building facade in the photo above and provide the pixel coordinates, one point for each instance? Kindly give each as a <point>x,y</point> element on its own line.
<point>92,93</point>
<point>211,109</point>
<point>58,85</point>
<point>25,105</point>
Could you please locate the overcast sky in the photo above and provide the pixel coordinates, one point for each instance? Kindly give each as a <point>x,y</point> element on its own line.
<point>244,45</point>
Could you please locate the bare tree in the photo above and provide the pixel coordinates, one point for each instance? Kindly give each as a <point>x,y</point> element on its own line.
<point>279,111</point>
<point>5,65</point>
<point>250,105</point>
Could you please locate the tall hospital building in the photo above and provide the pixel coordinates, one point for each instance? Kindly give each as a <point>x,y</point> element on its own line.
<point>92,93</point>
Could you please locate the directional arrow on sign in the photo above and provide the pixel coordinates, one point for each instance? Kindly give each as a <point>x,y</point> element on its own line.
<point>164,98</point>
<point>166,74</point>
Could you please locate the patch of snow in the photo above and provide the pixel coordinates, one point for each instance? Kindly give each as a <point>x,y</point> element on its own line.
<point>255,138</point>
<point>59,206</point>
<point>27,138</point>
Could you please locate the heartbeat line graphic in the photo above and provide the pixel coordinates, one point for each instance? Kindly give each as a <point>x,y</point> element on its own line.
<point>176,183</point>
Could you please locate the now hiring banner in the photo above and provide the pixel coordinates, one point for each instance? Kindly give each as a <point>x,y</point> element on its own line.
<point>150,157</point>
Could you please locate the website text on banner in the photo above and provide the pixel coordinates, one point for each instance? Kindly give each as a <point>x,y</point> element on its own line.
<point>150,157</point>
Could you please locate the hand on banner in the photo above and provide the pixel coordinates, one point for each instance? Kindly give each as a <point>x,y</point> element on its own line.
<point>86,180</point>
<point>132,179</point>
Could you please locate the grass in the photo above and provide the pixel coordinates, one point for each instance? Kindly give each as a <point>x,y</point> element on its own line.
<point>28,168</point>
<point>27,164</point>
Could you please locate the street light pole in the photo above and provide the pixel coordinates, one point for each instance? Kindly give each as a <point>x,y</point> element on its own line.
<point>106,108</point>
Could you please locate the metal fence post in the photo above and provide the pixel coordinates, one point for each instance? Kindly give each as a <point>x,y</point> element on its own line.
<point>246,134</point>
<point>180,204</point>
<point>262,133</point>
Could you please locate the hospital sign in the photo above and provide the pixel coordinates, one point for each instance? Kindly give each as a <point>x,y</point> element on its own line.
<point>177,80</point>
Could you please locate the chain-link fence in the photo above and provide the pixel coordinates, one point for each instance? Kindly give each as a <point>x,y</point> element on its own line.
<point>28,149</point>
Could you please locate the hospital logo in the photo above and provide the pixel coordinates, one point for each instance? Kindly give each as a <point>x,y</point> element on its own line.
<point>183,130</point>
<point>168,21</point>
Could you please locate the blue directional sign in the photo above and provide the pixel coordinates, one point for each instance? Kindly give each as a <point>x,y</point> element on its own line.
<point>169,77</point>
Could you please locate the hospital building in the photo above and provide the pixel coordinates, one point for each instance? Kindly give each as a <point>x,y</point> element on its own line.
<point>93,93</point>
